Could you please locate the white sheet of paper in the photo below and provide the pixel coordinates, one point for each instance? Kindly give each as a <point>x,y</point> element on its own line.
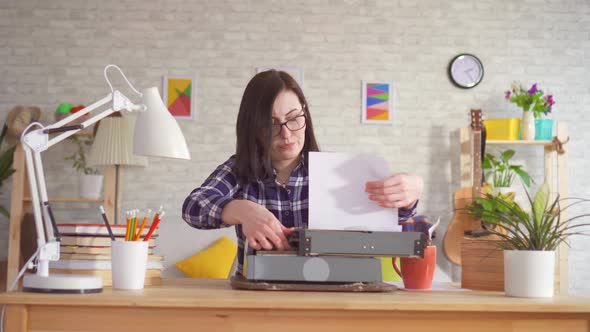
<point>337,197</point>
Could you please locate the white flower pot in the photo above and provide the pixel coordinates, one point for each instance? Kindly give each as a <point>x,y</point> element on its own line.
<point>90,186</point>
<point>528,126</point>
<point>529,273</point>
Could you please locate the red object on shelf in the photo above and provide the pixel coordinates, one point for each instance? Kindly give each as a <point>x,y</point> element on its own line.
<point>77,108</point>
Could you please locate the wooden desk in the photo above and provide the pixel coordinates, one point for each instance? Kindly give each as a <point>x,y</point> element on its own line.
<point>210,305</point>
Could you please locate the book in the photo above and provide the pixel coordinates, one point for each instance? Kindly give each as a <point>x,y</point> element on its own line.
<point>68,256</point>
<point>96,229</point>
<point>152,277</point>
<point>103,250</point>
<point>92,241</point>
<point>102,264</point>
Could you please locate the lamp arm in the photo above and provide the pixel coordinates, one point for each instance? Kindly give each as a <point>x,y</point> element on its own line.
<point>36,141</point>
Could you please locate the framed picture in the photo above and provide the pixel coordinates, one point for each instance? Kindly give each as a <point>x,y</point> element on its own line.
<point>295,72</point>
<point>179,96</point>
<point>377,102</point>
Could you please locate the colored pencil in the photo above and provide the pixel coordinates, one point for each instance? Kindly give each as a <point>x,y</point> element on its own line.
<point>106,222</point>
<point>154,226</point>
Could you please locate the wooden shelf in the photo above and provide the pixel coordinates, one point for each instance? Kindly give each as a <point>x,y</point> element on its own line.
<point>71,200</point>
<point>515,142</point>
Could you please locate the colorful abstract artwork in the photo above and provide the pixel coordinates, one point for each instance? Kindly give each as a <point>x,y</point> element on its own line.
<point>377,101</point>
<point>179,96</point>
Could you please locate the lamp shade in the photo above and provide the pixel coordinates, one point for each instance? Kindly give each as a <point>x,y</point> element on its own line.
<point>113,144</point>
<point>156,132</point>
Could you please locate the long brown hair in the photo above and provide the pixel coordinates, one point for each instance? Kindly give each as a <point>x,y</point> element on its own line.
<point>253,128</point>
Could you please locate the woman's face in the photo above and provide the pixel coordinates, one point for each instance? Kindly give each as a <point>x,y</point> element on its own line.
<point>288,139</point>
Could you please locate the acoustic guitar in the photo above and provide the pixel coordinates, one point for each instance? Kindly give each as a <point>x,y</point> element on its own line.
<point>462,222</point>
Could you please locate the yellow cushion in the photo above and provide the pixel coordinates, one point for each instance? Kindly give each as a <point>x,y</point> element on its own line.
<point>214,262</point>
<point>387,271</point>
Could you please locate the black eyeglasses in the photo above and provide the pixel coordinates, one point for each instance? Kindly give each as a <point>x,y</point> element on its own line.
<point>293,124</point>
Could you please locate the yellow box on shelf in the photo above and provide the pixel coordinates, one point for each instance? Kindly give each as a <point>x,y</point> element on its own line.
<point>502,129</point>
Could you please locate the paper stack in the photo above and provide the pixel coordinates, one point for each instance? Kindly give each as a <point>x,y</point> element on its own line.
<point>86,249</point>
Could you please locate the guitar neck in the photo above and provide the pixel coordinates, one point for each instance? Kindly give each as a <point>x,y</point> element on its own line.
<point>477,171</point>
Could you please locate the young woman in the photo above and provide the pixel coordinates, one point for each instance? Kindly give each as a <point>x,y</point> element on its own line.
<point>263,188</point>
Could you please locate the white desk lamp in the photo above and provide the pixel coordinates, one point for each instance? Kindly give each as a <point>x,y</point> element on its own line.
<point>156,134</point>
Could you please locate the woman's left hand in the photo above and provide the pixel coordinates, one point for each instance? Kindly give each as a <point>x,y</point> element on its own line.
<point>398,191</point>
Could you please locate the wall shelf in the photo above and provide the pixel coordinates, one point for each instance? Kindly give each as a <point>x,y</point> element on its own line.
<point>514,142</point>
<point>555,164</point>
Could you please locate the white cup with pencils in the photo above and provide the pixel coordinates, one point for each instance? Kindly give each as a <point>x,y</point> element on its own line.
<point>129,257</point>
<point>129,263</point>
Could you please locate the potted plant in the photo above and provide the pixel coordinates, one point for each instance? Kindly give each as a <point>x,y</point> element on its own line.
<point>90,185</point>
<point>529,240</point>
<point>6,170</point>
<point>501,173</point>
<point>534,105</point>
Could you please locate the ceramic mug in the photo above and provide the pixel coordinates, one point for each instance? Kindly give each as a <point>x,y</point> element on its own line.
<point>417,272</point>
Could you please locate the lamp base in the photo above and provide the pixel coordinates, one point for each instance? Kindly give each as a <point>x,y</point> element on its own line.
<point>62,284</point>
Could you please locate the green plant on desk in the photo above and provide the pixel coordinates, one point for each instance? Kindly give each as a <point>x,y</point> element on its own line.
<point>501,171</point>
<point>6,170</point>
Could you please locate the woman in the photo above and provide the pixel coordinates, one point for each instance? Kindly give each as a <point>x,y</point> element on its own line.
<point>263,188</point>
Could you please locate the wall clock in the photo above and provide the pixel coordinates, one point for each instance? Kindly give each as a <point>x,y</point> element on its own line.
<point>465,71</point>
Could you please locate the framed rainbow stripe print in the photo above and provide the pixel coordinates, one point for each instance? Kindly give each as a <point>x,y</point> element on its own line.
<point>377,102</point>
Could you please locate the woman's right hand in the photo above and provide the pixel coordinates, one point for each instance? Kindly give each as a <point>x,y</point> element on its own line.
<point>260,227</point>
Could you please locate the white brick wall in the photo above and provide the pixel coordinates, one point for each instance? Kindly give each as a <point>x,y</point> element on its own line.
<point>55,51</point>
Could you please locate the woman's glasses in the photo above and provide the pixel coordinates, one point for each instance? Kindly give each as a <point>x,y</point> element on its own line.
<point>293,124</point>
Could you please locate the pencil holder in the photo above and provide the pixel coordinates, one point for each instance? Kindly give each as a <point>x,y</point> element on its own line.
<point>129,263</point>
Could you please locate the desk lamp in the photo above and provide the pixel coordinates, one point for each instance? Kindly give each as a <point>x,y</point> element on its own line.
<point>156,134</point>
<point>113,146</point>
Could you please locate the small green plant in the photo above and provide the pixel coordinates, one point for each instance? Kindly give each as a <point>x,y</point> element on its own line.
<point>541,229</point>
<point>6,169</point>
<point>79,156</point>
<point>501,171</point>
<point>500,204</point>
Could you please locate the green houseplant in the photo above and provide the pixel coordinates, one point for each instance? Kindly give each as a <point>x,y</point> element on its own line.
<point>530,239</point>
<point>501,172</point>
<point>90,185</point>
<point>6,170</point>
<point>78,157</point>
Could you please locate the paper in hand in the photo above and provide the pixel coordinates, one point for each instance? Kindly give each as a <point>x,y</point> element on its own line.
<point>337,197</point>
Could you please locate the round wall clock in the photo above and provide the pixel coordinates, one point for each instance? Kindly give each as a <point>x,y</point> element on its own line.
<point>465,71</point>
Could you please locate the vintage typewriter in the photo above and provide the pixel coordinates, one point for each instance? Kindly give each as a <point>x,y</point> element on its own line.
<point>326,256</point>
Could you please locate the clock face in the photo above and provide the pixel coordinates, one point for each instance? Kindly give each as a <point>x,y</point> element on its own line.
<point>466,71</point>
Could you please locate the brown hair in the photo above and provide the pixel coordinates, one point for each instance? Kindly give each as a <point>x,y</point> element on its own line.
<point>253,128</point>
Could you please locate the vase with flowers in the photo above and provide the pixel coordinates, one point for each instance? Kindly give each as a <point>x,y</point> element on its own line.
<point>534,103</point>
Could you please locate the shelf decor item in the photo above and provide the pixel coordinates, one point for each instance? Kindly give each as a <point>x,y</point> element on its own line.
<point>156,133</point>
<point>529,239</point>
<point>90,183</point>
<point>534,104</point>
<point>502,129</point>
<point>501,172</point>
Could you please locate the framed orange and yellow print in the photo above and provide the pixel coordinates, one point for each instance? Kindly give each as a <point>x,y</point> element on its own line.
<point>179,96</point>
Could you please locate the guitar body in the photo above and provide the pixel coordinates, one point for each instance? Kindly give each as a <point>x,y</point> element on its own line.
<point>462,222</point>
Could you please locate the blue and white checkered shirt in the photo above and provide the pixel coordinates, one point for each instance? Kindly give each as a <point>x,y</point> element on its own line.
<point>289,203</point>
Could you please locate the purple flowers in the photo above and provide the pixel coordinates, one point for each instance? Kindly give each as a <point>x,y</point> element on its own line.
<point>533,89</point>
<point>530,100</point>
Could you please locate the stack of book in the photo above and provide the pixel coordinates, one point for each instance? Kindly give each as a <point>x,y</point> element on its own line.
<point>86,249</point>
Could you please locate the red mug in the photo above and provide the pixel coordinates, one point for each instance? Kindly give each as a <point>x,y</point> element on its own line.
<point>417,272</point>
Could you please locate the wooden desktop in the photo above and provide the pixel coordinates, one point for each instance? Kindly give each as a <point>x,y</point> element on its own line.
<point>211,305</point>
